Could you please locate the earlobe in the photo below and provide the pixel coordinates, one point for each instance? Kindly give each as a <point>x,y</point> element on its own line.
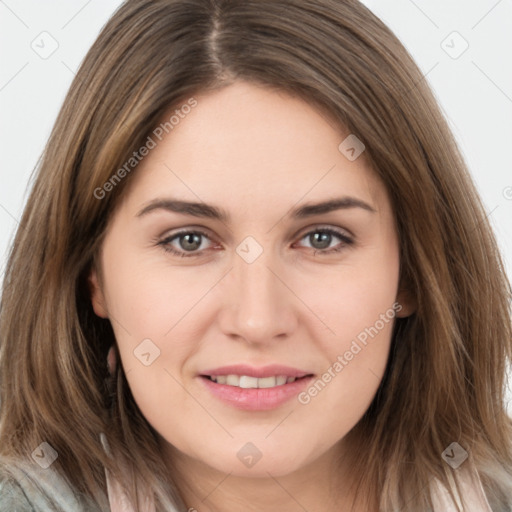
<point>407,302</point>
<point>96,293</point>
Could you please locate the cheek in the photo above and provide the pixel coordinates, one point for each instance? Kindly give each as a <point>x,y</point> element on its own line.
<point>154,313</point>
<point>148,295</point>
<point>352,297</point>
<point>357,307</point>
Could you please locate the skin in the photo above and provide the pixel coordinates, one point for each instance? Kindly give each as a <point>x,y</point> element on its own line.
<point>257,154</point>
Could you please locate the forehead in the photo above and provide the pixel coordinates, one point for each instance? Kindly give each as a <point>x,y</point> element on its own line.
<point>247,144</point>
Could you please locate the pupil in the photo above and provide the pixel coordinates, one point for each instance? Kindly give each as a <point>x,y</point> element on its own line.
<point>321,239</point>
<point>190,242</point>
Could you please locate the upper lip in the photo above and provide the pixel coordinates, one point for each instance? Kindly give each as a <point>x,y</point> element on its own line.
<point>252,371</point>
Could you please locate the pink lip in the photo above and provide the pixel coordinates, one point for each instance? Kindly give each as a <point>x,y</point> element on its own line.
<point>256,399</point>
<point>265,371</point>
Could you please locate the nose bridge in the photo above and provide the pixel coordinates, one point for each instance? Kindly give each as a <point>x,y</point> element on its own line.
<point>260,306</point>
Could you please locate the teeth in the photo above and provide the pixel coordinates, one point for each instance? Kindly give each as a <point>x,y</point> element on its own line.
<point>232,380</point>
<point>246,382</point>
<point>266,382</point>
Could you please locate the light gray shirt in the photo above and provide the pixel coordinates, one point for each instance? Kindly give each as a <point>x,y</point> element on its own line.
<point>27,487</point>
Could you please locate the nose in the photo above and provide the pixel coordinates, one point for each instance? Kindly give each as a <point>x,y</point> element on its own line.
<point>259,307</point>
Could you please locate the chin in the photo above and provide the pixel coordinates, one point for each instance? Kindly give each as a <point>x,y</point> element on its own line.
<point>247,461</point>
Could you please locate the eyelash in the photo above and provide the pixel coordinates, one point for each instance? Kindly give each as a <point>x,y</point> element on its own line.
<point>346,241</point>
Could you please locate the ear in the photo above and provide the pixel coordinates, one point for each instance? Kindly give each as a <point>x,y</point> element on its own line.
<point>407,302</point>
<point>97,297</point>
<point>112,360</point>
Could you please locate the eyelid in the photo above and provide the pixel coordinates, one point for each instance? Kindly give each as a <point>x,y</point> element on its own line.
<point>185,231</point>
<point>327,227</point>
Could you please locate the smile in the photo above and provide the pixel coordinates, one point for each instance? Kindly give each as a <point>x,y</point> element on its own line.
<point>255,393</point>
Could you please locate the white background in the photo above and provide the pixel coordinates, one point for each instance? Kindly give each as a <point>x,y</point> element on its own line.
<point>474,89</point>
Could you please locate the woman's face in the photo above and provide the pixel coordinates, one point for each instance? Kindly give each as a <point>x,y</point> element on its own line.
<point>252,273</point>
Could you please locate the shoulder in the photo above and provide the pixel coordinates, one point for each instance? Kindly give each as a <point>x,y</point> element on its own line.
<point>26,487</point>
<point>473,496</point>
<point>12,496</point>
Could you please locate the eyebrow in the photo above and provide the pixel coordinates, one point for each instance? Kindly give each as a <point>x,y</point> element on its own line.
<point>212,212</point>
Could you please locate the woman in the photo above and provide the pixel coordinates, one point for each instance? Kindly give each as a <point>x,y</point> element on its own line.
<point>253,272</point>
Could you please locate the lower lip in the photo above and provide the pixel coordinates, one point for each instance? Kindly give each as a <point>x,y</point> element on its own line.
<point>256,399</point>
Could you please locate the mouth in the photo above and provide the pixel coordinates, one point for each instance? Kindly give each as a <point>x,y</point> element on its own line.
<point>255,389</point>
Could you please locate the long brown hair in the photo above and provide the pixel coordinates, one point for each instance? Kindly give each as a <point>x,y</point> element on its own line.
<point>446,373</point>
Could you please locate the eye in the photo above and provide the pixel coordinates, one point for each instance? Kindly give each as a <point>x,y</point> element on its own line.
<point>320,239</point>
<point>187,242</point>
